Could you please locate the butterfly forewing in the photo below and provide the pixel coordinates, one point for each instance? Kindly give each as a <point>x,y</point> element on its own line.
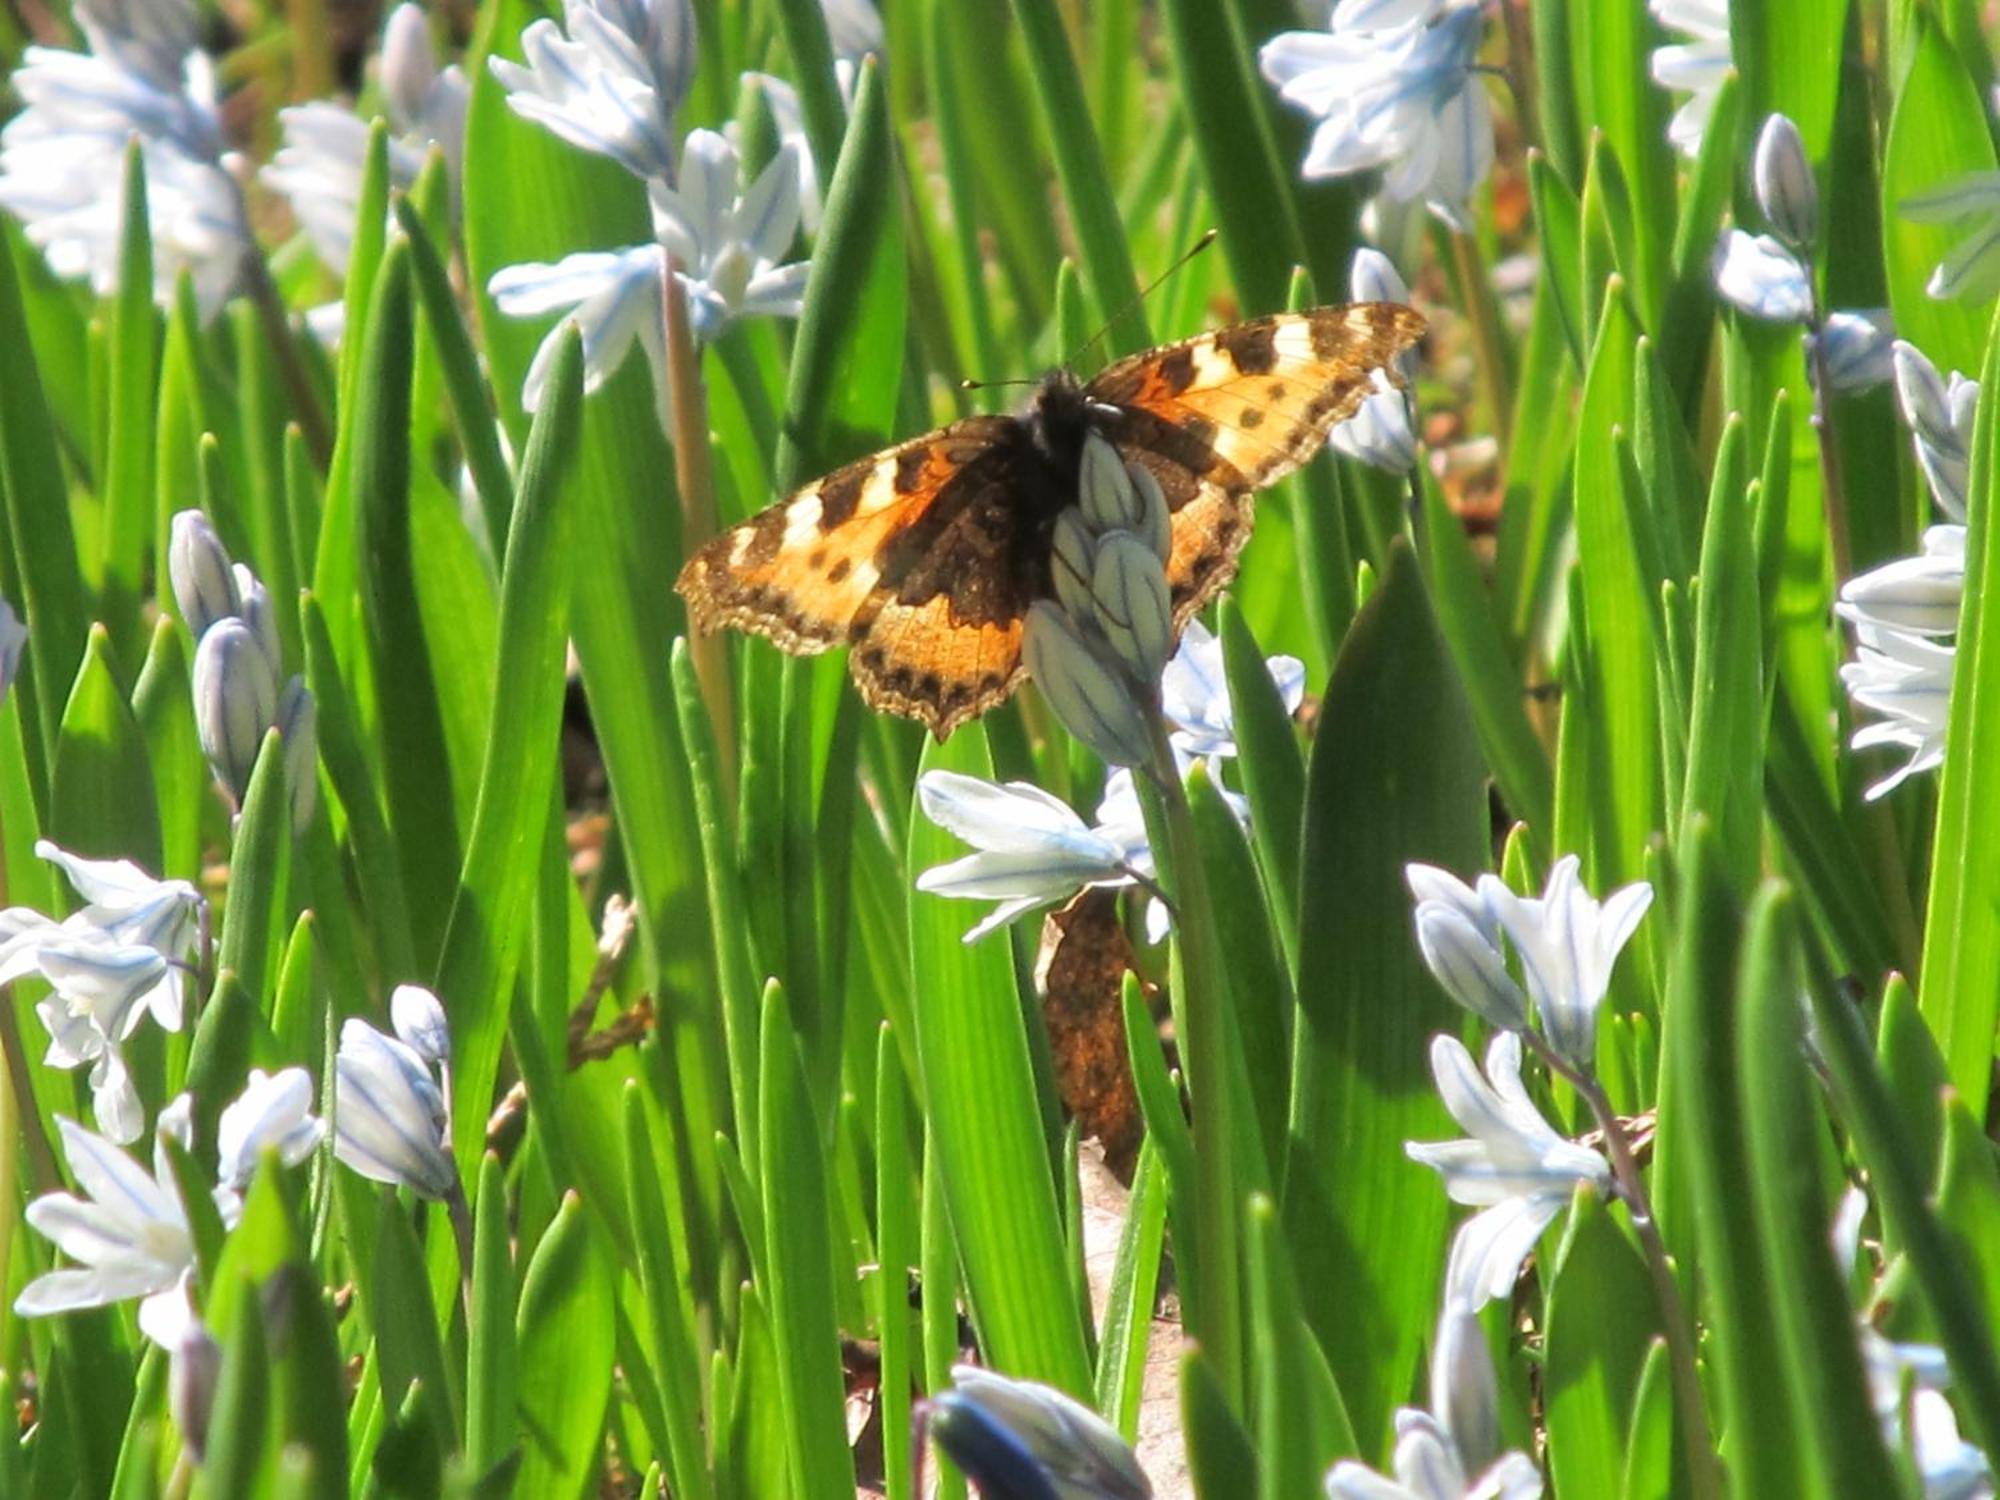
<point>925,557</point>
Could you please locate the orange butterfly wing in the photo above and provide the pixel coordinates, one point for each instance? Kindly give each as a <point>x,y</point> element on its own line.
<point>911,556</point>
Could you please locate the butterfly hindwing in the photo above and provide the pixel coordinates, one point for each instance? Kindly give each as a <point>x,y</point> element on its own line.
<point>925,557</point>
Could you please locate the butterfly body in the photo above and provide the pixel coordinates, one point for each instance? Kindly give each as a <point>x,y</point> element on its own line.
<point>924,558</point>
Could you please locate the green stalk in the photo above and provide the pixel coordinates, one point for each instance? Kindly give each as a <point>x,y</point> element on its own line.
<point>1201,1019</point>
<point>1489,342</point>
<point>686,419</point>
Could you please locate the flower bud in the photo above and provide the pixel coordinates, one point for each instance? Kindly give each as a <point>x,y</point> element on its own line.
<point>1469,966</point>
<point>1087,694</point>
<point>388,1114</point>
<point>235,701</point>
<point>13,637</point>
<point>1784,181</point>
<point>1108,500</point>
<point>1940,415</point>
<point>1072,562</point>
<point>194,1371</point>
<point>420,1021</point>
<point>1378,434</point>
<point>298,727</point>
<point>1022,1441</point>
<point>409,66</point>
<point>1373,277</point>
<point>1128,588</point>
<point>1156,523</point>
<point>198,566</point>
<point>1465,1393</point>
<point>257,614</point>
<point>1858,349</point>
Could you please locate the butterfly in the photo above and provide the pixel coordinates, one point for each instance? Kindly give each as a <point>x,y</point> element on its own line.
<point>924,558</point>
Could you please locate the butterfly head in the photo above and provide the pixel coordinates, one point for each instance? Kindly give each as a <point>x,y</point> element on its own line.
<point>1059,418</point>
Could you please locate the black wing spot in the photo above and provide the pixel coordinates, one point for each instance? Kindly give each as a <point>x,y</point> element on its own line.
<point>1251,347</point>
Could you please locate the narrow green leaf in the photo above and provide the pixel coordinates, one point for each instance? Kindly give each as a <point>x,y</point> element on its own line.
<point>238,1456</point>
<point>253,923</point>
<point>1784,1131</point>
<point>1960,990</point>
<point>132,348</point>
<point>1302,1426</point>
<point>986,1120</point>
<point>896,1251</point>
<point>164,707</point>
<point>102,791</point>
<point>490,1434</point>
<point>670,1343</point>
<point>804,1322</point>
<point>1086,186</point>
<point>405,1321</point>
<point>504,849</point>
<point>1274,774</point>
<point>1703,1176</point>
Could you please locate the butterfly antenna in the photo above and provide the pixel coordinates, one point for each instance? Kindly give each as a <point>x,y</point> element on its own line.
<point>1207,239</point>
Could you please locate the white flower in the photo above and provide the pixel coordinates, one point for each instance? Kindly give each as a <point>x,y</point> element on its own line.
<point>419,1020</point>
<point>389,1117</point>
<point>1697,67</point>
<point>1972,269</point>
<point>1567,943</point>
<point>129,1232</point>
<point>1761,277</point>
<point>1194,693</point>
<point>1916,595</point>
<point>323,159</point>
<point>1515,1169</point>
<point>595,88</point>
<point>727,248</point>
<point>1033,848</point>
<point>62,160</point>
<point>1449,1452</point>
<point>1017,1437</point>
<point>150,38</point>
<point>1908,680</point>
<point>110,965</point>
<point>1940,417</point>
<point>273,1113</point>
<point>1394,86</point>
<point>1378,434</point>
<point>613,297</point>
<point>1949,1467</point>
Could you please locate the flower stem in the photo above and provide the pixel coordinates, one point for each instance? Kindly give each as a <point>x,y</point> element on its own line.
<point>694,476</point>
<point>18,1095</point>
<point>1200,1019</point>
<point>1489,343</point>
<point>1705,1479</point>
<point>460,1213</point>
<point>271,316</point>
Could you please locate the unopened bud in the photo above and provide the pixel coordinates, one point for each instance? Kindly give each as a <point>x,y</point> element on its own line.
<point>1858,349</point>
<point>193,1373</point>
<point>1128,588</point>
<point>13,637</point>
<point>298,727</point>
<point>1784,181</point>
<point>256,613</point>
<point>203,579</point>
<point>409,66</point>
<point>1156,523</point>
<point>419,1019</point>
<point>1072,562</point>
<point>235,701</point>
<point>1374,278</point>
<point>1018,1440</point>
<point>1109,502</point>
<point>1087,694</point>
<point>1465,1392</point>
